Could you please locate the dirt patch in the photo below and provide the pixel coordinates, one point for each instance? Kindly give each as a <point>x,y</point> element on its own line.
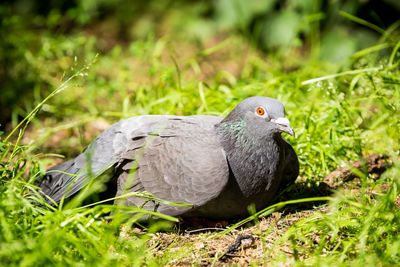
<point>240,247</point>
<point>374,165</point>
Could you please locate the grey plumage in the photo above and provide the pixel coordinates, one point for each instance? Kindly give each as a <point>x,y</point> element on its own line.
<point>219,165</point>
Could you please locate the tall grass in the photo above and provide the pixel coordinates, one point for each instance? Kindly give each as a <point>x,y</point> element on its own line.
<point>338,117</point>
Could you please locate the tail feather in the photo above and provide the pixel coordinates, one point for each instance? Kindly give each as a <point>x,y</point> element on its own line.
<point>62,181</point>
<point>68,178</point>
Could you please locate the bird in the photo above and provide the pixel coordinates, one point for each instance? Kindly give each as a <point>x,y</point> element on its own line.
<point>219,166</point>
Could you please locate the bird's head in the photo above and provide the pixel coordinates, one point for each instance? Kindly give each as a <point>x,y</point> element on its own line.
<point>262,113</point>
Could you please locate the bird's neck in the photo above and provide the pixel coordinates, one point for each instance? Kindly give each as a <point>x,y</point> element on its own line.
<point>253,158</point>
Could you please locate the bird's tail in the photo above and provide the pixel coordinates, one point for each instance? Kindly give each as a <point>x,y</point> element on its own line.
<point>61,181</point>
<point>69,178</point>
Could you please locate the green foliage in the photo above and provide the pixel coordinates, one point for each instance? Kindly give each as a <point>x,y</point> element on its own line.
<point>327,30</point>
<point>358,229</point>
<point>33,233</point>
<point>340,112</point>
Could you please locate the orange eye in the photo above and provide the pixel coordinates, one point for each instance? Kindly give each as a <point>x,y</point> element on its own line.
<point>260,111</point>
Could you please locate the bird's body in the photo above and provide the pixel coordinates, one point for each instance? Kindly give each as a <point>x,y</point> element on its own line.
<point>219,165</point>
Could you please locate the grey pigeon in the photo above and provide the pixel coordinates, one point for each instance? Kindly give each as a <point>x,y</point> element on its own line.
<point>219,165</point>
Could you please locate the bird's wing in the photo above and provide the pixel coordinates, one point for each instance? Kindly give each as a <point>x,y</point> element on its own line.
<point>182,161</point>
<point>177,159</point>
<point>103,153</point>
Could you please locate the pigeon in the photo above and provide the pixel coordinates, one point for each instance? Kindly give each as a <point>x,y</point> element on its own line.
<point>220,166</point>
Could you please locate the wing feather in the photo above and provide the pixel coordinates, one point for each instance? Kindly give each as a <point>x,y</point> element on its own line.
<point>175,158</point>
<point>183,163</point>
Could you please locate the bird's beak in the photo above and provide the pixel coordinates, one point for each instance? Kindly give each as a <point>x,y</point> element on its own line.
<point>283,125</point>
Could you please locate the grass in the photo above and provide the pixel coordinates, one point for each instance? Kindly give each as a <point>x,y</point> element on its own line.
<point>340,113</point>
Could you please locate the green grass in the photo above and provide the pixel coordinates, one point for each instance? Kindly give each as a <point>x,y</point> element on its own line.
<point>340,113</point>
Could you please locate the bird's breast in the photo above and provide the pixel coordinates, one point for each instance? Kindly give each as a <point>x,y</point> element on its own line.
<point>256,168</point>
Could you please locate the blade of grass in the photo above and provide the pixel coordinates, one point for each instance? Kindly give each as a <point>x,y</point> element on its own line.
<point>393,54</point>
<point>333,76</point>
<point>31,114</point>
<point>362,22</point>
<point>267,211</point>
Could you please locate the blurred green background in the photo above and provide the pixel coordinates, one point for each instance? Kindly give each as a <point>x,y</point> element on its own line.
<point>69,69</point>
<point>43,41</point>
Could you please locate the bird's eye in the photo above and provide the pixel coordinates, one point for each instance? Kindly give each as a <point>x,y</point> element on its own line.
<point>260,111</point>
